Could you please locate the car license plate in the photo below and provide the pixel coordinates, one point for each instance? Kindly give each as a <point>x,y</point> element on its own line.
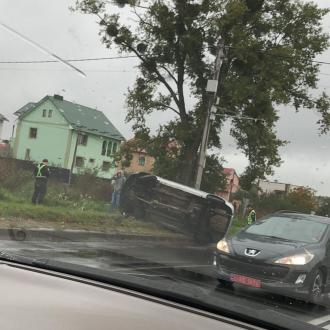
<point>241,279</point>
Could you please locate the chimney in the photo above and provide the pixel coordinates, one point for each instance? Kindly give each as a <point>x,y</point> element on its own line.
<point>58,97</point>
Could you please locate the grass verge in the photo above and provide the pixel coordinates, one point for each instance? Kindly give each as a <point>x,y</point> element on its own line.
<point>40,216</point>
<point>237,224</point>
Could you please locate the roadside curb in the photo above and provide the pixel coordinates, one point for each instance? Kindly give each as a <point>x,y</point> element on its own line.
<point>22,234</point>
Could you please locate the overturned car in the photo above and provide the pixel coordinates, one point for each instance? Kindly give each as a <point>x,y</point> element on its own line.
<point>182,209</point>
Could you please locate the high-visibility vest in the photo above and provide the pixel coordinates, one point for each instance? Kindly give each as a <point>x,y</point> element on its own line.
<point>39,168</point>
<point>251,217</point>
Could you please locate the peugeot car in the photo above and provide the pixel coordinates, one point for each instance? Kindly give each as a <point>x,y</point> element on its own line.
<point>285,253</point>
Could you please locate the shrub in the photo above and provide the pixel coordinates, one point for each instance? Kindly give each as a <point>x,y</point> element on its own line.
<point>5,195</point>
<point>11,175</point>
<point>89,184</point>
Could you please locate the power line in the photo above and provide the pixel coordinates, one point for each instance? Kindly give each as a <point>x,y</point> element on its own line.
<point>278,55</point>
<point>64,70</point>
<point>69,60</point>
<point>240,117</point>
<point>41,48</point>
<point>101,59</point>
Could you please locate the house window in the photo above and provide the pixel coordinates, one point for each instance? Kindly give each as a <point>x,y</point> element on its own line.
<point>44,112</point>
<point>92,161</point>
<point>50,113</point>
<point>104,148</point>
<point>33,133</point>
<point>142,160</point>
<point>82,139</point>
<point>79,161</point>
<point>106,166</point>
<point>114,148</point>
<point>27,154</point>
<point>109,148</point>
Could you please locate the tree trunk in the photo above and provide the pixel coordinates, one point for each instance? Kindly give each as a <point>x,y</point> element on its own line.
<point>187,172</point>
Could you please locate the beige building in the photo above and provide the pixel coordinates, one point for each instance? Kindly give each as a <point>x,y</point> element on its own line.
<point>268,187</point>
<point>141,162</point>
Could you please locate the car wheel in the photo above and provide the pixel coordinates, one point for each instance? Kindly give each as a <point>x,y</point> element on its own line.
<point>225,284</point>
<point>317,286</point>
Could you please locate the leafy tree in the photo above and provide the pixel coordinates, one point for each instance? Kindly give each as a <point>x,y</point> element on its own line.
<point>124,155</point>
<point>299,200</point>
<point>214,179</point>
<point>302,199</point>
<point>324,208</point>
<point>270,48</point>
<point>167,155</point>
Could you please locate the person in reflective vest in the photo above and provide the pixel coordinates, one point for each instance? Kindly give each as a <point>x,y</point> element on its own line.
<point>252,216</point>
<point>41,174</point>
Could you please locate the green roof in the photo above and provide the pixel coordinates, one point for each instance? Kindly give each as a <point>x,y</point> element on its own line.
<point>83,118</point>
<point>25,108</point>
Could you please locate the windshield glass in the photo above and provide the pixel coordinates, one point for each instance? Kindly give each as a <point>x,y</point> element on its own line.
<point>143,143</point>
<point>289,228</point>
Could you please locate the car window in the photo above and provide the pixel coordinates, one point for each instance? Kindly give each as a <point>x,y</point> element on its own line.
<point>290,228</point>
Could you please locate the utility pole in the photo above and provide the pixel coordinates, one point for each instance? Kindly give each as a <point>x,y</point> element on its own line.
<point>212,86</point>
<point>74,156</point>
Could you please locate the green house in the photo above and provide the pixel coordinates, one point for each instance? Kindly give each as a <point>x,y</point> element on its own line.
<point>69,135</point>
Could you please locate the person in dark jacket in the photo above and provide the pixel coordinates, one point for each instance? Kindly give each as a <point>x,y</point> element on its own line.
<point>119,181</point>
<point>41,174</point>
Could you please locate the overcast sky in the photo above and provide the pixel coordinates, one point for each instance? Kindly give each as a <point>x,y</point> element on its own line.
<point>306,159</point>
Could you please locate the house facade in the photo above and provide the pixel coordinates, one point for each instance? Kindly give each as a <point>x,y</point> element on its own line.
<point>69,135</point>
<point>139,159</point>
<point>141,162</point>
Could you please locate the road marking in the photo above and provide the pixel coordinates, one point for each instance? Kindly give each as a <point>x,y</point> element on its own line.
<point>326,326</point>
<point>320,320</point>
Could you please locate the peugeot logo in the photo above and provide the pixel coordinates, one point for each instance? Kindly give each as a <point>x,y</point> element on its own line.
<point>251,252</point>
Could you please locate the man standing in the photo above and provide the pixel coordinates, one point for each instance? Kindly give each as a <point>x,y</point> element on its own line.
<point>252,216</point>
<point>41,174</point>
<point>119,180</point>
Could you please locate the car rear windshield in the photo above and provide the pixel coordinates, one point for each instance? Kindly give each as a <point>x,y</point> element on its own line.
<point>288,228</point>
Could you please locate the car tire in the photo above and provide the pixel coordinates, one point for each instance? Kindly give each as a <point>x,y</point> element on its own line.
<point>317,286</point>
<point>225,284</point>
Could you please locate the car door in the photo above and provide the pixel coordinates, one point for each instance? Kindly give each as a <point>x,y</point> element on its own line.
<point>327,259</point>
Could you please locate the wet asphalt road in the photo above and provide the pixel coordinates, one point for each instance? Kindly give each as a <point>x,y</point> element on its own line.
<point>192,264</point>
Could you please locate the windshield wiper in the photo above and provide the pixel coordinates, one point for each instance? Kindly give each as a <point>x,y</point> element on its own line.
<point>280,238</point>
